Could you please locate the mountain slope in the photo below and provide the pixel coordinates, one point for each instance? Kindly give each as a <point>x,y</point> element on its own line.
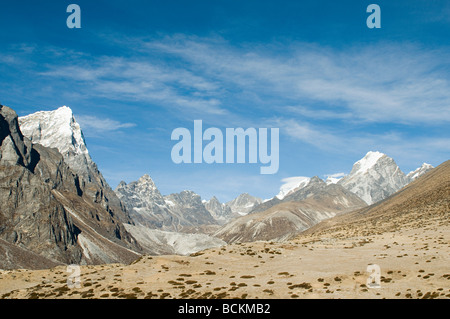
<point>374,178</point>
<point>243,204</point>
<point>425,199</point>
<point>292,184</point>
<point>301,210</point>
<point>43,208</point>
<point>307,188</point>
<point>220,212</point>
<point>16,257</point>
<point>189,209</point>
<point>59,129</point>
<point>146,205</point>
<point>175,212</point>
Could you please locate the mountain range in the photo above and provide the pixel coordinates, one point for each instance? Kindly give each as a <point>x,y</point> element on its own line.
<point>58,208</point>
<point>278,220</point>
<point>424,201</point>
<point>374,178</point>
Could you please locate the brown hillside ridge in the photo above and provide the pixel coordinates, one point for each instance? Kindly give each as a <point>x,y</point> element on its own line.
<point>425,199</point>
<point>286,219</point>
<point>407,236</point>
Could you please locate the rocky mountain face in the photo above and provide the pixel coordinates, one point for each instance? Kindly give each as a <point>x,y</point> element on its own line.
<point>190,209</point>
<point>146,205</point>
<point>59,129</point>
<point>179,212</point>
<point>307,188</point>
<point>292,184</point>
<point>243,204</point>
<point>30,217</point>
<point>15,149</point>
<point>374,178</point>
<point>283,219</point>
<point>425,168</point>
<point>174,212</point>
<point>220,212</point>
<point>164,224</point>
<point>44,209</point>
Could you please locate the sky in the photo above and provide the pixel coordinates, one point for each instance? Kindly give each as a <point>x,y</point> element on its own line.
<point>137,70</point>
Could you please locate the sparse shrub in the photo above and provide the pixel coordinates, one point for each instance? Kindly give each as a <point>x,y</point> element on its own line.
<point>269,291</point>
<point>304,285</point>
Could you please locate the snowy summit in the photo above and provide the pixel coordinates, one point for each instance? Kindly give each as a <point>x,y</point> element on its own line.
<point>59,129</point>
<point>292,183</point>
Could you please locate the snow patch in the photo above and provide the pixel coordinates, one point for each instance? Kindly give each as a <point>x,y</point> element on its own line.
<point>334,178</point>
<point>419,171</point>
<point>368,161</point>
<point>292,183</point>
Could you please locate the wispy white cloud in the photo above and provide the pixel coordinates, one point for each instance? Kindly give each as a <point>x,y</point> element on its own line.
<point>142,80</point>
<point>307,133</point>
<point>318,114</point>
<point>377,83</point>
<point>94,123</point>
<point>300,88</point>
<point>382,83</point>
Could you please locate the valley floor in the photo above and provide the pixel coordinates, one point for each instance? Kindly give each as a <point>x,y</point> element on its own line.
<point>414,263</point>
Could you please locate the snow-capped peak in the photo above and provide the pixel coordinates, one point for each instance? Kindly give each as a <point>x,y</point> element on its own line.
<point>64,110</point>
<point>55,129</point>
<point>244,203</point>
<point>145,179</point>
<point>419,171</point>
<point>144,185</point>
<point>59,129</point>
<point>368,161</point>
<point>291,184</point>
<point>334,178</point>
<point>374,177</point>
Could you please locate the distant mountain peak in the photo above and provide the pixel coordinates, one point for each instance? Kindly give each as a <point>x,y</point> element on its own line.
<point>374,177</point>
<point>278,220</point>
<point>64,110</point>
<point>149,208</point>
<point>56,128</point>
<point>413,175</point>
<point>315,180</point>
<point>334,178</point>
<point>59,129</point>
<point>146,180</point>
<point>244,203</point>
<point>291,184</point>
<point>221,212</point>
<point>213,199</point>
<point>368,161</point>
<point>122,184</point>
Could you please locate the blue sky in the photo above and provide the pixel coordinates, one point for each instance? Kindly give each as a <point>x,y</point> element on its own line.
<point>137,70</point>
